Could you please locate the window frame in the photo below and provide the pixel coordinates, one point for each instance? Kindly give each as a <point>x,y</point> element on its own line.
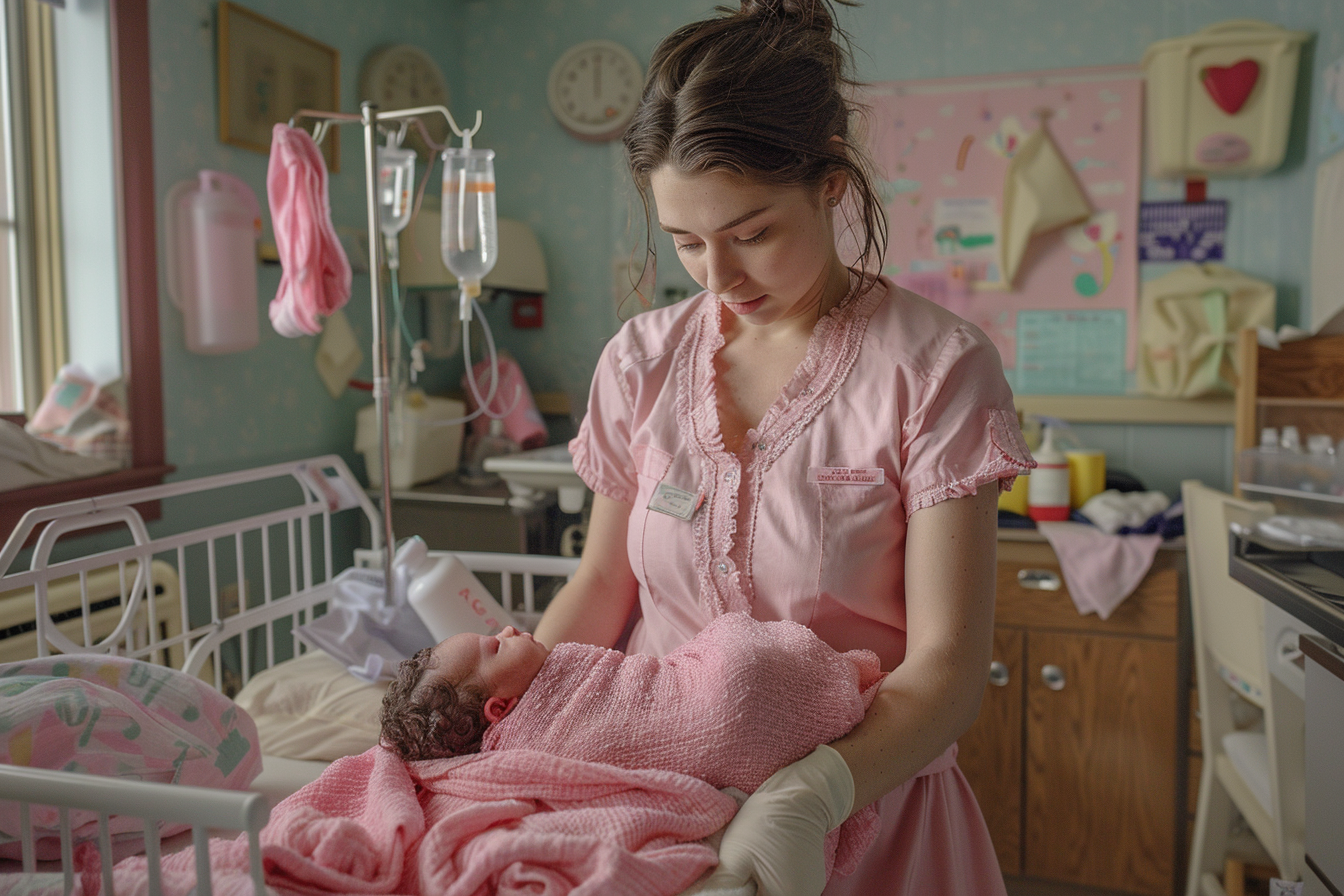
<point>132,120</point>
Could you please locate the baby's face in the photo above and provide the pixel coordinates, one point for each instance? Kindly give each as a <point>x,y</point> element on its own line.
<point>502,665</point>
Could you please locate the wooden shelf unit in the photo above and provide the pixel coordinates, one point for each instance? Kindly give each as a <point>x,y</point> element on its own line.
<point>1300,384</point>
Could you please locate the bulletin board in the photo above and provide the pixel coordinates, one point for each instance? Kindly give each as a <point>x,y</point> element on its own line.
<point>943,148</point>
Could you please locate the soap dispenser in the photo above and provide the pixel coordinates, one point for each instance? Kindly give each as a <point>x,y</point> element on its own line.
<point>1048,487</point>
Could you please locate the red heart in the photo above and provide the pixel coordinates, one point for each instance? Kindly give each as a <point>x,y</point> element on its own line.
<point>1229,86</point>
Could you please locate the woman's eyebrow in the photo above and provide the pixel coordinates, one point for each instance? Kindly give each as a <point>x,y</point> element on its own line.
<point>729,226</point>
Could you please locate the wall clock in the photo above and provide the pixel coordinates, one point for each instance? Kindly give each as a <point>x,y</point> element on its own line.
<point>403,76</point>
<point>594,89</point>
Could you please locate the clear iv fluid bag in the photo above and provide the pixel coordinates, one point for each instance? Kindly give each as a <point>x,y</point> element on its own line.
<point>470,233</point>
<point>396,179</point>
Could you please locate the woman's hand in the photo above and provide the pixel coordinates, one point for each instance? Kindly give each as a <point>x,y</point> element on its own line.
<point>777,837</point>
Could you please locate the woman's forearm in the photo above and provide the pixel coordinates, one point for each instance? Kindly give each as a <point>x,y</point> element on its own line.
<point>918,712</point>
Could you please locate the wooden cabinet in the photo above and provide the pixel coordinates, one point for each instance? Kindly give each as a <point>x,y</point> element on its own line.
<point>1076,756</point>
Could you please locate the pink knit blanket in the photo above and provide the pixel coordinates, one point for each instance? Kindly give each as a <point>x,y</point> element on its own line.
<point>505,822</point>
<point>732,706</point>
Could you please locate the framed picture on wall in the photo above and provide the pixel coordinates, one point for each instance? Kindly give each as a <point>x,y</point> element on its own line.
<point>267,72</point>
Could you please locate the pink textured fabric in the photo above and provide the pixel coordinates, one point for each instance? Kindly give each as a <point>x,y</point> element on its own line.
<point>505,822</point>
<point>315,274</point>
<point>711,709</point>
<point>898,405</point>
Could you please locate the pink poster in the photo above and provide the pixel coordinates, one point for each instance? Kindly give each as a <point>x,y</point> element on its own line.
<point>944,151</point>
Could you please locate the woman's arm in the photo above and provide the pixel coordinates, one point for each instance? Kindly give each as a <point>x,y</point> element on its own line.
<point>933,696</point>
<point>592,608</point>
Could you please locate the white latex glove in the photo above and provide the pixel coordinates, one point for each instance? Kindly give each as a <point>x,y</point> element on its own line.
<point>777,837</point>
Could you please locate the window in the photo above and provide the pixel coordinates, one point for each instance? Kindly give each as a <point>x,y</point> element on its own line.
<point>131,150</point>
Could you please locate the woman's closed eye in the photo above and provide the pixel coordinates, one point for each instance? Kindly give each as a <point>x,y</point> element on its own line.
<point>753,240</point>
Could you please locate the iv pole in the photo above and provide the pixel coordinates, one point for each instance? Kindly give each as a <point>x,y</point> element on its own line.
<point>370,117</point>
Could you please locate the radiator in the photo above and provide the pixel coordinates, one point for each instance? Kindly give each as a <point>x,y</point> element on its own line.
<point>18,626</point>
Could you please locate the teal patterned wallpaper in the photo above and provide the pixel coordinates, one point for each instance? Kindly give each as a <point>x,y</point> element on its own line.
<point>268,404</point>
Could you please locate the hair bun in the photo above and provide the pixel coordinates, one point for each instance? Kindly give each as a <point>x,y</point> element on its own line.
<point>811,13</point>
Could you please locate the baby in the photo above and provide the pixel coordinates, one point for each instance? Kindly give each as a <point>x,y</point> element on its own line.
<point>738,701</point>
<point>445,696</point>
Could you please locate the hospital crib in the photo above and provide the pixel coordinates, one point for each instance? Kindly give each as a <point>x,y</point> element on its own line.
<point>218,598</point>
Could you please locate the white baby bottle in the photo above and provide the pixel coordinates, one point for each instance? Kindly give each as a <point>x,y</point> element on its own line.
<point>447,597</point>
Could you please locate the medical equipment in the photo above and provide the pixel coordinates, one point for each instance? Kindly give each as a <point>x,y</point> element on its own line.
<point>212,225</point>
<point>470,230</point>
<point>396,178</point>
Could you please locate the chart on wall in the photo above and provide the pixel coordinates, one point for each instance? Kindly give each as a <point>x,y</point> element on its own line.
<point>1016,193</point>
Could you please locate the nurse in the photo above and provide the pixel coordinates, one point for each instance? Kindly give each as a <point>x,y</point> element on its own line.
<point>802,440</point>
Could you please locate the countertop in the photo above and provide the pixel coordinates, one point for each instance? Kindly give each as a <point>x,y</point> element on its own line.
<point>1295,599</point>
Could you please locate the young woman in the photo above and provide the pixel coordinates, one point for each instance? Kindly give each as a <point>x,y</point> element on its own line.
<point>801,441</point>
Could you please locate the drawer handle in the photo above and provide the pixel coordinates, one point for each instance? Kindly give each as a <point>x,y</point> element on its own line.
<point>998,674</point>
<point>1038,579</point>
<point>1053,676</point>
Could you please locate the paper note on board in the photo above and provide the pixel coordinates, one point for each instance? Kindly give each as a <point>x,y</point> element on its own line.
<point>1071,352</point>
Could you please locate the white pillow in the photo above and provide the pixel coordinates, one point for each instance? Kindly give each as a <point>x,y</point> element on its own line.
<point>311,708</point>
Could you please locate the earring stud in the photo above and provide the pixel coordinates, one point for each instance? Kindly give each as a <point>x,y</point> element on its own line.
<point>833,201</point>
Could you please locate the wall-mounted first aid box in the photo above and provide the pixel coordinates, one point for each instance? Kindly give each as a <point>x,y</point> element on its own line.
<point>1219,101</point>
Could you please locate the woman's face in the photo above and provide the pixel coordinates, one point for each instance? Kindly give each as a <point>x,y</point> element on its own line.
<point>767,252</point>
<point>501,665</point>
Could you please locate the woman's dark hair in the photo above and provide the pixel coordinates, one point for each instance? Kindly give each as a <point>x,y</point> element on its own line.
<point>431,720</point>
<point>761,93</point>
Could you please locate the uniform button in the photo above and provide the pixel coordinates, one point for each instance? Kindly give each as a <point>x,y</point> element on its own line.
<point>721,566</point>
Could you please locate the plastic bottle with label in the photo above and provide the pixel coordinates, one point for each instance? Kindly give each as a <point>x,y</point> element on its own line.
<point>1048,488</point>
<point>447,597</point>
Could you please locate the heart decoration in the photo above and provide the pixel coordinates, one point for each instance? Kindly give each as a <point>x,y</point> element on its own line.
<point>1230,85</point>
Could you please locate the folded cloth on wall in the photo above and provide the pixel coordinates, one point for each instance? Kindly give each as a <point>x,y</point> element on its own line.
<point>315,277</point>
<point>732,706</point>
<point>506,821</point>
<point>1100,569</point>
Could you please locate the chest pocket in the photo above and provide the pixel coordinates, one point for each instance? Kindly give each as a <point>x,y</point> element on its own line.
<point>860,522</point>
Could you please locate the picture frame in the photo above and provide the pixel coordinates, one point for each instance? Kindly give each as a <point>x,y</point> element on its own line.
<point>267,72</point>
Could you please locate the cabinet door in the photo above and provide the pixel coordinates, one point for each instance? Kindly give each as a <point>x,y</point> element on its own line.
<point>990,753</point>
<point>1101,761</point>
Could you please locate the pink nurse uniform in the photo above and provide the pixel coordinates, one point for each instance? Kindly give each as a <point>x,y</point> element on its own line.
<point>897,405</point>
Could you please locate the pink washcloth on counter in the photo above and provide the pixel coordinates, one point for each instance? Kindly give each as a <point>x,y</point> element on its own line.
<point>315,278</point>
<point>1100,570</point>
<point>736,703</point>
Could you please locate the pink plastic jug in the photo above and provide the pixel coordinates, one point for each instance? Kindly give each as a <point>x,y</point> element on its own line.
<point>211,227</point>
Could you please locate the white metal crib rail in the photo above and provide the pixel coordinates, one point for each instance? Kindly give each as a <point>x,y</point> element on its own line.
<point>202,808</point>
<point>264,567</point>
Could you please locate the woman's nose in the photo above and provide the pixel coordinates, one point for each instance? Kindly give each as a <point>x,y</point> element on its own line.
<point>722,272</point>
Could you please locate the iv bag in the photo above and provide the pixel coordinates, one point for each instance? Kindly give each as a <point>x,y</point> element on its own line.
<point>470,234</point>
<point>396,177</point>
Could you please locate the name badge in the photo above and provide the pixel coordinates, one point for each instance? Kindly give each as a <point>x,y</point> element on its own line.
<point>846,475</point>
<point>674,501</point>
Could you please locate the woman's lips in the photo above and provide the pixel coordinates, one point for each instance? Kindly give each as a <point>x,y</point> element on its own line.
<point>744,307</point>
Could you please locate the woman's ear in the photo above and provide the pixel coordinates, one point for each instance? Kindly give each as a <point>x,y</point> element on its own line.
<point>497,708</point>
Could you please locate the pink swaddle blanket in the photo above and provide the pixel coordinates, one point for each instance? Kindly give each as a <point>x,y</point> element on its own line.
<point>315,278</point>
<point>504,822</point>
<point>731,707</point>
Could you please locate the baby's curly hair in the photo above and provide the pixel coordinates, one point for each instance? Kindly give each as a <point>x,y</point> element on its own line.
<point>430,721</point>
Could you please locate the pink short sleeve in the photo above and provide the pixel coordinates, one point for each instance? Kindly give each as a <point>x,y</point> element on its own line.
<point>962,431</point>
<point>601,450</point>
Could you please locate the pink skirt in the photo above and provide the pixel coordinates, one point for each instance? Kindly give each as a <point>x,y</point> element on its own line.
<point>932,839</point>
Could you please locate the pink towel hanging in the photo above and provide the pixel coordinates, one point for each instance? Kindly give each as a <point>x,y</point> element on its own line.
<point>315,278</point>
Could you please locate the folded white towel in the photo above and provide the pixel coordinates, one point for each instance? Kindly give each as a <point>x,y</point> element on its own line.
<point>1114,510</point>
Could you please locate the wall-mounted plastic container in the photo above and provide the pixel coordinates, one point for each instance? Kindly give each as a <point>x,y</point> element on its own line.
<point>1219,101</point>
<point>211,226</point>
